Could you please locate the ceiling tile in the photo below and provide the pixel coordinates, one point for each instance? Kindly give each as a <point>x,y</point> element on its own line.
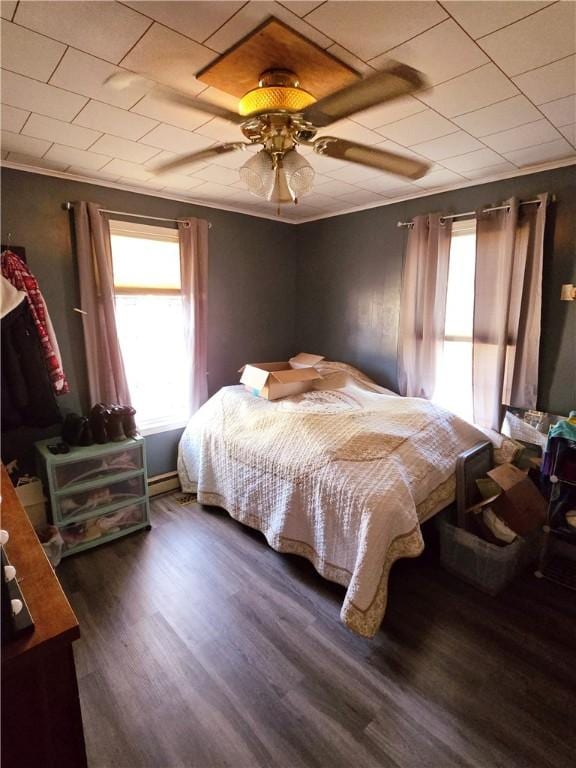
<point>459,53</point>
<point>479,17</point>
<point>77,157</point>
<point>554,81</point>
<point>178,181</point>
<point>319,200</point>
<point>218,174</point>
<point>220,130</point>
<point>174,114</point>
<point>253,14</point>
<point>539,39</point>
<point>482,158</point>
<point>93,173</point>
<point>348,58</point>
<point>51,130</point>
<point>348,129</point>
<point>151,184</point>
<point>219,97</point>
<point>529,135</point>
<point>476,89</point>
<point>389,113</point>
<point>123,149</point>
<point>15,142</point>
<point>169,58</point>
<point>234,159</point>
<point>36,162</point>
<point>353,173</point>
<point>569,131</point>
<point>86,74</point>
<point>107,30</point>
<point>129,170</point>
<point>384,183</point>
<point>561,111</point>
<point>448,146</point>
<point>118,122</point>
<point>12,118</point>
<point>498,117</point>
<point>415,129</point>
<point>22,92</point>
<point>544,153</point>
<point>490,171</point>
<point>360,197</point>
<point>213,191</point>
<point>438,179</point>
<point>164,157</point>
<point>7,8</point>
<point>335,188</point>
<point>197,20</point>
<point>370,29</point>
<point>29,54</point>
<point>301,7</point>
<point>176,140</point>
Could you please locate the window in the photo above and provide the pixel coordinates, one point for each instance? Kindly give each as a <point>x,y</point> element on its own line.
<point>454,370</point>
<point>150,321</point>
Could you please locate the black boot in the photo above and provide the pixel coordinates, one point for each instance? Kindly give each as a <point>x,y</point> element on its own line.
<point>98,422</point>
<point>72,428</point>
<point>114,426</point>
<point>85,433</point>
<point>128,421</point>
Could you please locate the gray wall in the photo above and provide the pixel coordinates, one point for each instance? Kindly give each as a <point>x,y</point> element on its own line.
<point>330,287</point>
<point>350,270</point>
<point>251,281</point>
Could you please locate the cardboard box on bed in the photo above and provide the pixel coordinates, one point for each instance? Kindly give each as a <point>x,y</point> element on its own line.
<point>275,380</point>
<point>520,504</point>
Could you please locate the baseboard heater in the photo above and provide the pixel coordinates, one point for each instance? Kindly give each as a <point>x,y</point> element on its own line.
<point>165,483</point>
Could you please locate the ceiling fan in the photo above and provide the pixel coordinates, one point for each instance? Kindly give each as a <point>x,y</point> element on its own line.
<point>280,115</point>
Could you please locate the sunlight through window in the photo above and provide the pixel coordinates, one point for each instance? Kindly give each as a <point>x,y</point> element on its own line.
<point>149,317</point>
<point>454,371</point>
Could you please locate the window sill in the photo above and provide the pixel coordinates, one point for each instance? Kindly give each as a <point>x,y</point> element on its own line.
<point>154,429</point>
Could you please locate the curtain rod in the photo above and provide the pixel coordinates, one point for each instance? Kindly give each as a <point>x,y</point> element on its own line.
<point>409,224</point>
<point>68,207</point>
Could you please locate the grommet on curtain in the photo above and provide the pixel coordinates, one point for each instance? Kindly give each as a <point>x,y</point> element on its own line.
<point>185,224</point>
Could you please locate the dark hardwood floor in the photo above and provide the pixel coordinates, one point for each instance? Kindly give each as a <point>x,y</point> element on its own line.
<point>201,647</point>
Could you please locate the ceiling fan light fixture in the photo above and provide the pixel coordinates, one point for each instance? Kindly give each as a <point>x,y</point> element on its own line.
<point>258,174</point>
<point>281,192</point>
<point>299,173</point>
<point>274,99</point>
<point>278,91</point>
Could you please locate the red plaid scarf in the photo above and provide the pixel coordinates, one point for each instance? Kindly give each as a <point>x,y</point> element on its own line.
<point>16,272</point>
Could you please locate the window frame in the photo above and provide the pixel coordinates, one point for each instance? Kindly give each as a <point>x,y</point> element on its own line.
<point>163,234</point>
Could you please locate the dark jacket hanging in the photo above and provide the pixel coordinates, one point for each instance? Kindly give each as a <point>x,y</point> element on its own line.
<point>27,394</point>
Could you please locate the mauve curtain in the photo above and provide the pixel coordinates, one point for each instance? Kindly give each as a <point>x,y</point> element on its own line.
<point>507,309</point>
<point>423,304</point>
<point>193,238</point>
<point>106,375</point>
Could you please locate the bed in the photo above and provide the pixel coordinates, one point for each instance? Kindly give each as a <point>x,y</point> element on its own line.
<point>343,475</point>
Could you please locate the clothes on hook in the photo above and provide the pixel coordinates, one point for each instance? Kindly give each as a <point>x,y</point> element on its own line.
<point>17,273</point>
<point>27,393</point>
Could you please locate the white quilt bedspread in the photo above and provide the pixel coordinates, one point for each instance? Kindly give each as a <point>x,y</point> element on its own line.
<point>342,475</point>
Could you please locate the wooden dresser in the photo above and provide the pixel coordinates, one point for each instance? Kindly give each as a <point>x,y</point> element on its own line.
<point>41,717</point>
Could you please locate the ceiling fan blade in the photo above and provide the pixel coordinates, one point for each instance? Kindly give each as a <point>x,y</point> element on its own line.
<point>183,100</point>
<point>394,81</point>
<point>196,157</point>
<point>375,158</point>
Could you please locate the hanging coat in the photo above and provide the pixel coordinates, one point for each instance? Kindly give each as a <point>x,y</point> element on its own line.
<point>17,273</point>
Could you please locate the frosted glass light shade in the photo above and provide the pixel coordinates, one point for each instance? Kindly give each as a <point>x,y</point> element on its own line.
<point>258,174</point>
<point>293,177</point>
<point>299,173</point>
